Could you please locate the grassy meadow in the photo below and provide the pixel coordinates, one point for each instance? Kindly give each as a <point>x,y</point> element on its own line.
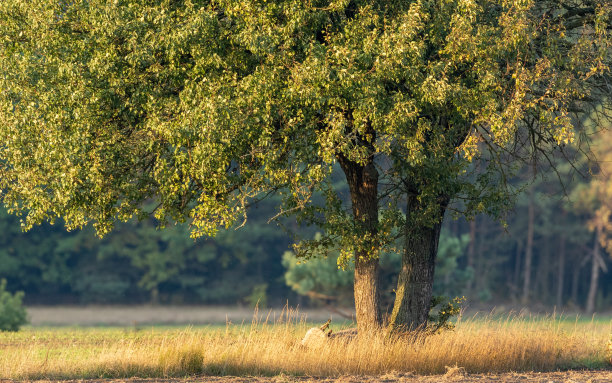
<point>478,344</point>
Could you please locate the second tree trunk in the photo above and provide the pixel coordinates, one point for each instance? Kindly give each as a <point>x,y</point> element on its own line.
<point>415,281</point>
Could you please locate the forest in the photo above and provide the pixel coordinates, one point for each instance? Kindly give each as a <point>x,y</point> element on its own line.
<point>545,253</point>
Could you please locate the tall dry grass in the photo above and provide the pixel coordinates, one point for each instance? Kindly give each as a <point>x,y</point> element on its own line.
<point>264,348</point>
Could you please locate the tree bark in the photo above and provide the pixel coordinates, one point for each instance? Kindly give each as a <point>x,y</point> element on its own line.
<point>363,186</point>
<point>367,299</point>
<point>415,281</point>
<point>529,249</point>
<point>590,305</point>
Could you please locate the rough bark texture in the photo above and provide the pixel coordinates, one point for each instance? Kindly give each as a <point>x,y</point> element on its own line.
<point>415,281</point>
<point>367,300</point>
<point>363,186</point>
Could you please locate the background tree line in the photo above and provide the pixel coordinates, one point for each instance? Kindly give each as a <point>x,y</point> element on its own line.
<point>541,255</point>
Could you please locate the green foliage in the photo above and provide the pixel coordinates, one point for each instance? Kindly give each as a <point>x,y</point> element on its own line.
<point>330,278</point>
<point>450,277</point>
<point>192,111</point>
<point>101,287</point>
<point>440,317</point>
<point>204,106</point>
<point>12,313</point>
<point>140,263</point>
<point>319,276</point>
<point>322,277</point>
<point>259,297</point>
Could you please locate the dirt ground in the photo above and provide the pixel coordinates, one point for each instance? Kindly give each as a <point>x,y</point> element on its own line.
<point>453,375</point>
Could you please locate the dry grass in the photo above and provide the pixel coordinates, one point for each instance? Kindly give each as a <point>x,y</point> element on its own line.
<point>476,346</point>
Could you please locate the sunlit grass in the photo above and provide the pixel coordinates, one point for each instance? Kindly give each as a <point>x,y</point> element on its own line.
<point>262,348</point>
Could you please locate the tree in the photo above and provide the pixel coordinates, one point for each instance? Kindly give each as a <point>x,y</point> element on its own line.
<point>593,199</point>
<point>12,313</point>
<point>322,280</point>
<point>205,107</point>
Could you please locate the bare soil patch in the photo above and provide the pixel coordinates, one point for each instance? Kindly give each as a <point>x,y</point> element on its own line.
<point>452,375</point>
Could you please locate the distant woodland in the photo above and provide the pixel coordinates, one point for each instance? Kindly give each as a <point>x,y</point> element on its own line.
<point>546,253</point>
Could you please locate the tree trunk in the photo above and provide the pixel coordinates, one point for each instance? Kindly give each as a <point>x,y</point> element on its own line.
<point>154,296</point>
<point>480,268</point>
<point>415,281</point>
<point>529,249</point>
<point>363,185</point>
<point>516,280</point>
<point>367,299</point>
<point>543,273</point>
<point>471,253</point>
<point>575,283</point>
<point>561,271</point>
<point>590,305</point>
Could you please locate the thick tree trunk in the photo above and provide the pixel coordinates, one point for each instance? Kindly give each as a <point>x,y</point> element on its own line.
<point>363,186</point>
<point>367,300</point>
<point>590,305</point>
<point>529,249</point>
<point>415,281</point>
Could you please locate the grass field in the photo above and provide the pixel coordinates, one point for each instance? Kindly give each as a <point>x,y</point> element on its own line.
<point>477,345</point>
<point>147,315</point>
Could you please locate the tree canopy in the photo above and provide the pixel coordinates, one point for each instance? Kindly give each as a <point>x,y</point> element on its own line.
<point>207,106</point>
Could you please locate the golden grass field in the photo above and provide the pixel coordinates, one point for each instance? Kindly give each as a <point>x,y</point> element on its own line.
<point>272,348</point>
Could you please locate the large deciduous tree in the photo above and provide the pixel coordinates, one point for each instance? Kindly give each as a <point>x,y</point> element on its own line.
<point>207,106</point>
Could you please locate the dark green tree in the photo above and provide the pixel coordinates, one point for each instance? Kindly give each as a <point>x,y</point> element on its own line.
<point>12,313</point>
